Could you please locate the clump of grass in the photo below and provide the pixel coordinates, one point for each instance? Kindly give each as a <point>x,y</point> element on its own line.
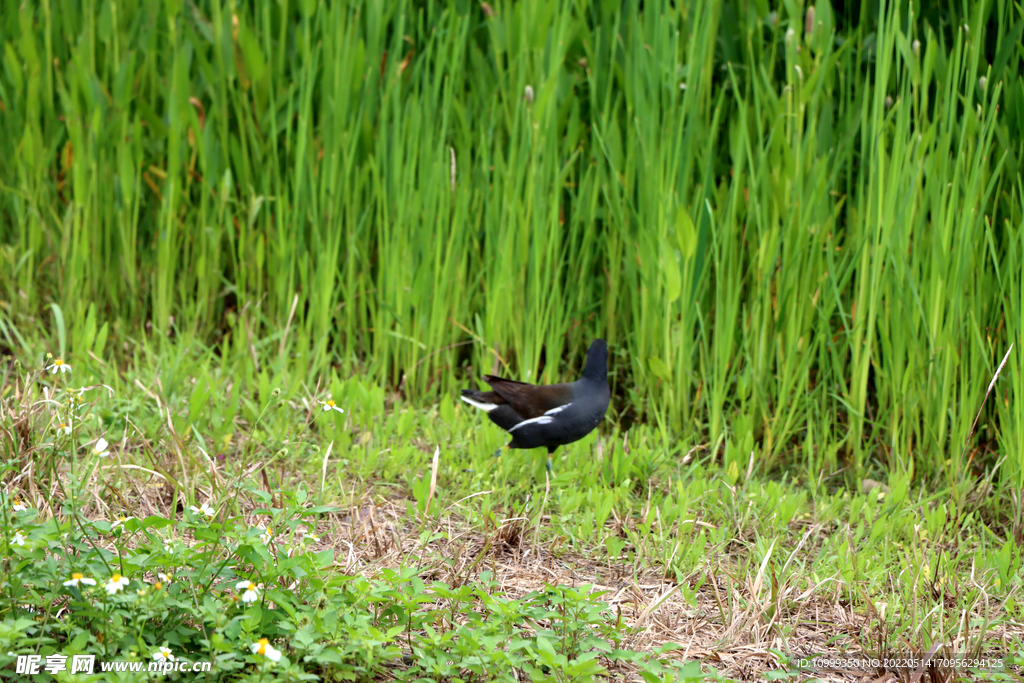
<point>799,230</point>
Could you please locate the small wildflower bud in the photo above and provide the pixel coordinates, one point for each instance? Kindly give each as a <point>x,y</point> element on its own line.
<point>682,86</point>
<point>888,102</point>
<point>528,94</point>
<point>979,111</point>
<point>790,34</point>
<point>916,47</point>
<point>276,392</point>
<point>982,82</point>
<point>809,21</point>
<point>49,356</point>
<point>799,73</point>
<point>967,30</point>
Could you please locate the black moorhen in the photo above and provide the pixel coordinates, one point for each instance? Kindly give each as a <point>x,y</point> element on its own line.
<point>550,415</point>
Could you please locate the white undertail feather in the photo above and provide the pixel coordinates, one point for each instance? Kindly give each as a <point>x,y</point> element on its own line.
<point>480,404</point>
<point>542,420</point>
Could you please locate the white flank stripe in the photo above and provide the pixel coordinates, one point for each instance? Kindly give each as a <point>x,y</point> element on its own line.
<point>557,410</point>
<point>542,420</point>
<point>480,404</point>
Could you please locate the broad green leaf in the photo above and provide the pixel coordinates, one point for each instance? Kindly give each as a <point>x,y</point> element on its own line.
<point>685,232</point>
<point>659,368</point>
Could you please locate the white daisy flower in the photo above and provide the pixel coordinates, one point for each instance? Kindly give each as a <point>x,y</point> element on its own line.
<point>329,405</point>
<point>251,593</point>
<point>119,522</point>
<point>116,584</point>
<point>19,538</point>
<point>59,366</point>
<point>163,654</point>
<point>18,505</point>
<point>205,510</point>
<point>263,647</point>
<point>267,535</point>
<point>100,448</point>
<point>80,578</point>
<point>64,429</point>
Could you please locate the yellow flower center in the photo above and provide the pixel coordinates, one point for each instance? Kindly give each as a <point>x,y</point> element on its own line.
<point>330,402</point>
<point>77,575</point>
<point>59,362</point>
<point>251,586</point>
<point>158,585</point>
<point>263,642</point>
<point>116,578</point>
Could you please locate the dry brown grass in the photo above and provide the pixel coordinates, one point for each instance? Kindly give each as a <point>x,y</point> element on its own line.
<point>737,624</point>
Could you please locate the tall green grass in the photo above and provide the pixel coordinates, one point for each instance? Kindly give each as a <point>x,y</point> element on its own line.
<point>802,235</point>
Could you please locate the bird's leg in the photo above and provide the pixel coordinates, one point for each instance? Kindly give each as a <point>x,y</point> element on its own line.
<point>548,465</point>
<point>497,453</point>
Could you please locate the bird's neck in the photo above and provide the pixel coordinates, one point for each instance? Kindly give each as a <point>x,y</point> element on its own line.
<point>595,369</point>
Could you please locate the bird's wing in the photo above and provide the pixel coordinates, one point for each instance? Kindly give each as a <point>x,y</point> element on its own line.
<point>530,400</point>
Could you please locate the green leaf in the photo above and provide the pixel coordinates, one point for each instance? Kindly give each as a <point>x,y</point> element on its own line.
<point>685,232</point>
<point>670,271</point>
<point>659,368</point>
<point>156,522</point>
<point>12,67</point>
<point>544,645</point>
<point>58,320</point>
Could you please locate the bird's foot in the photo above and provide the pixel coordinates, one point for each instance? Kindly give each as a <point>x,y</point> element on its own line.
<point>548,467</point>
<point>497,453</point>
